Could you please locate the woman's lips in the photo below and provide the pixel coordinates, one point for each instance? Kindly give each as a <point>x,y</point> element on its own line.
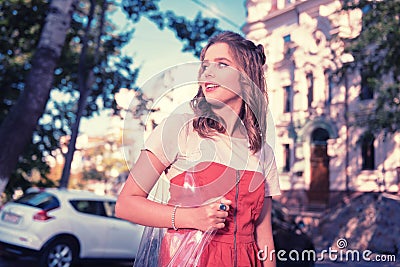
<point>209,87</point>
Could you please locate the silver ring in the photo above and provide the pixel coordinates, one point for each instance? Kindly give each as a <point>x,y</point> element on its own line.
<point>222,206</point>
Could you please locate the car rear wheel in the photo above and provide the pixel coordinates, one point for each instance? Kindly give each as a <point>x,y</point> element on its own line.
<point>59,253</point>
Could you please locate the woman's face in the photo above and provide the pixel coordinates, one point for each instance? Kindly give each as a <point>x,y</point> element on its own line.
<point>219,79</point>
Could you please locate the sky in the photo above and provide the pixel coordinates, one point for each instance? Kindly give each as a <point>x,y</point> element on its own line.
<point>157,50</point>
<point>154,50</point>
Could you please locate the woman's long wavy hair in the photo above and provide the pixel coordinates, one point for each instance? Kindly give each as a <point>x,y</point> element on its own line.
<point>250,59</point>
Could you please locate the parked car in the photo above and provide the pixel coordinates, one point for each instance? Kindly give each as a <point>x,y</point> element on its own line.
<point>64,226</point>
<point>297,248</point>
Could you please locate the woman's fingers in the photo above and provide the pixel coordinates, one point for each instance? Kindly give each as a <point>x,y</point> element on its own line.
<point>223,204</point>
<point>217,213</point>
<point>225,201</point>
<point>220,225</point>
<point>221,214</point>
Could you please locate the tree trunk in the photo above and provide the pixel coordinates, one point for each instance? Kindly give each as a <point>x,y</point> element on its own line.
<point>17,128</point>
<point>85,80</point>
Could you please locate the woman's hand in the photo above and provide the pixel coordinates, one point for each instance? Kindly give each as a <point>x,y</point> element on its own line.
<point>211,216</point>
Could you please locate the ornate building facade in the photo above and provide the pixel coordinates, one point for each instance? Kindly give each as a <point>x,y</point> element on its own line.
<point>317,148</point>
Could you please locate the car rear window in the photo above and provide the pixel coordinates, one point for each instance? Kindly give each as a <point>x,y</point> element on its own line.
<point>42,200</point>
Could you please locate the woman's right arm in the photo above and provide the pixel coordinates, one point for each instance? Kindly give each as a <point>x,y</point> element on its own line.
<point>133,205</point>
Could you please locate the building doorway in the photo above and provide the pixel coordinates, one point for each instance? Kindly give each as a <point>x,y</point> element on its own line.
<point>319,167</point>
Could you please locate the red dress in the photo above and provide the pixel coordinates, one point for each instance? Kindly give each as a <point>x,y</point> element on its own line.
<point>200,171</point>
<point>235,244</point>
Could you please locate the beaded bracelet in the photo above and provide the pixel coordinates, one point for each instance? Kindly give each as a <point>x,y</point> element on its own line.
<point>173,218</point>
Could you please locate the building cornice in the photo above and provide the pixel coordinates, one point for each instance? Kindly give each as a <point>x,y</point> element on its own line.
<point>289,13</point>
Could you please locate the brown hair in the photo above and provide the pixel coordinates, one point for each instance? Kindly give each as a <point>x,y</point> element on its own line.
<point>250,59</point>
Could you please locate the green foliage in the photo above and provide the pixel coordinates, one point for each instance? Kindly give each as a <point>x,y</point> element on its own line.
<point>377,50</point>
<point>136,8</point>
<point>93,174</point>
<point>103,161</point>
<point>30,171</point>
<point>387,110</point>
<point>194,34</point>
<point>20,27</point>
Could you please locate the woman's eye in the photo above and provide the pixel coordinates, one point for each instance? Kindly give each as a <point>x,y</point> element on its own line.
<point>204,67</point>
<point>222,65</point>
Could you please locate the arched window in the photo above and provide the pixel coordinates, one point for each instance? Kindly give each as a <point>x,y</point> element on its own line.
<point>319,136</point>
<point>368,152</point>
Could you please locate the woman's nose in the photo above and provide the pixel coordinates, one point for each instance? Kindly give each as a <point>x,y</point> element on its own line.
<point>209,71</point>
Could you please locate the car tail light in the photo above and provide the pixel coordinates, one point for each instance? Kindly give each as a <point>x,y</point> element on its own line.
<point>42,216</point>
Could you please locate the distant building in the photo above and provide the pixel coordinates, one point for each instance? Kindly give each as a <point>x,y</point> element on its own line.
<point>316,149</point>
<point>99,163</point>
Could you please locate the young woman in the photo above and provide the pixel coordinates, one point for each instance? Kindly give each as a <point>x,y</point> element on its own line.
<point>222,173</point>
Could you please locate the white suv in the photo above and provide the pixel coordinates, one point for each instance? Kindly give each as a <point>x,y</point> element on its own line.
<point>62,226</point>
